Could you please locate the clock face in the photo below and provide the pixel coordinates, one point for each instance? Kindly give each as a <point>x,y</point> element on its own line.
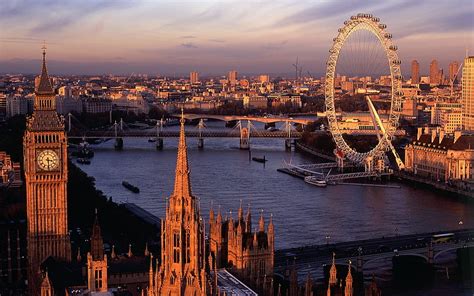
<point>48,160</point>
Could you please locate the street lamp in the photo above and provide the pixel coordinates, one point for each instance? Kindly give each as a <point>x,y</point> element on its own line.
<point>327,239</point>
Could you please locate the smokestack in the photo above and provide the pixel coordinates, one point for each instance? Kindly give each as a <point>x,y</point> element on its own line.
<point>419,133</point>
<point>441,136</point>
<point>433,135</point>
<point>457,135</point>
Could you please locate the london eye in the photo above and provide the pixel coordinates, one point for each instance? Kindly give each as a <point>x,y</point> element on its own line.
<point>363,65</point>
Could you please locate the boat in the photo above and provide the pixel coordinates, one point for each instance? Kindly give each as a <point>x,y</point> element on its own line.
<point>260,159</point>
<point>313,181</point>
<point>83,161</point>
<point>84,151</point>
<point>171,122</point>
<point>130,187</point>
<point>151,139</point>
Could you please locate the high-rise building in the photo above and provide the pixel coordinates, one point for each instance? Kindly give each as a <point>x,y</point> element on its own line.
<point>232,76</point>
<point>453,70</point>
<point>45,164</point>
<point>434,72</point>
<point>194,77</point>
<point>183,260</point>
<point>264,78</point>
<point>415,72</point>
<point>468,93</point>
<point>3,106</point>
<point>447,115</point>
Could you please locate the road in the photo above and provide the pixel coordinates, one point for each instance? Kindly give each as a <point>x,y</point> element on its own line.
<point>313,258</point>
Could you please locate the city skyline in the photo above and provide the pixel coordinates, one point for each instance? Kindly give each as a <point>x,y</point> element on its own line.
<point>213,37</point>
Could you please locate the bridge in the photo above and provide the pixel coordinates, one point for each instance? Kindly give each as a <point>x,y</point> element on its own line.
<point>265,119</point>
<point>367,253</point>
<point>244,132</point>
<point>150,133</point>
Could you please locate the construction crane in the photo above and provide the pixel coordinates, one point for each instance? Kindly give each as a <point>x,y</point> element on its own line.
<point>296,65</point>
<point>454,79</point>
<point>126,81</point>
<point>379,126</point>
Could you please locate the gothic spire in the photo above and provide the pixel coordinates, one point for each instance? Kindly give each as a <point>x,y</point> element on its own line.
<point>333,271</point>
<point>44,86</point>
<point>182,185</point>
<point>241,211</point>
<point>348,289</point>
<point>97,244</point>
<point>261,223</point>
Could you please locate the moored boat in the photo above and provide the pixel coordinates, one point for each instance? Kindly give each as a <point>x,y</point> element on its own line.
<point>313,181</point>
<point>83,161</point>
<point>130,187</point>
<point>260,159</point>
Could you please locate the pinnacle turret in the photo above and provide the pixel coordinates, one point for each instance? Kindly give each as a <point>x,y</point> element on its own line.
<point>333,271</point>
<point>261,223</point>
<point>97,243</point>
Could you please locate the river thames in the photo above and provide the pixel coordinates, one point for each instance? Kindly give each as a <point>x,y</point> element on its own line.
<point>222,174</point>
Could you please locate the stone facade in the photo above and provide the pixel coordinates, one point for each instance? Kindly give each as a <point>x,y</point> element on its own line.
<point>248,253</point>
<point>441,157</point>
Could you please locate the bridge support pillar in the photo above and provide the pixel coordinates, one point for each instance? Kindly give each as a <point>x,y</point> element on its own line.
<point>245,136</point>
<point>159,144</point>
<point>201,143</point>
<point>244,144</point>
<point>288,144</point>
<point>359,259</point>
<point>430,253</point>
<point>118,145</point>
<point>359,263</point>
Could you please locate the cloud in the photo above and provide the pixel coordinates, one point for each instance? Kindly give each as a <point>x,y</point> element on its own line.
<point>325,10</point>
<point>22,40</point>
<point>216,40</point>
<point>54,15</point>
<point>275,46</point>
<point>188,45</point>
<point>188,37</point>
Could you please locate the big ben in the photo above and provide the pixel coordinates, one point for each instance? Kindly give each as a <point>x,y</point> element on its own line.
<point>45,163</point>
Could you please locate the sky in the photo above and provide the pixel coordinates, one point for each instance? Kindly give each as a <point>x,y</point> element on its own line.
<point>173,37</point>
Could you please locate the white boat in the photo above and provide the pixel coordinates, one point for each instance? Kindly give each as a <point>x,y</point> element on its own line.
<point>313,181</point>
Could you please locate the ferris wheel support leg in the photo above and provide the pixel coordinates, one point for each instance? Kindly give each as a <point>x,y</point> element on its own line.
<point>379,125</point>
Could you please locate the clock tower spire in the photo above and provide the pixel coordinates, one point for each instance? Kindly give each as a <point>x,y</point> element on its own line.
<point>45,165</point>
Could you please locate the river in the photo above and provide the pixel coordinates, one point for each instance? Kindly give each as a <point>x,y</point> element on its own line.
<point>222,174</point>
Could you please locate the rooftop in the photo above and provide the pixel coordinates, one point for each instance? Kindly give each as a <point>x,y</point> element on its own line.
<point>231,285</point>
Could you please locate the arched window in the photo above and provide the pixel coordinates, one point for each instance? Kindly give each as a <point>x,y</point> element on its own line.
<point>176,247</point>
<point>188,247</point>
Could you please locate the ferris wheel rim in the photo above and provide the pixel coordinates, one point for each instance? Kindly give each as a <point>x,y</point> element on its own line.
<point>369,23</point>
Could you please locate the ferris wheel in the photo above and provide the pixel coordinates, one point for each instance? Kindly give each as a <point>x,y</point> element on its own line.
<point>385,131</point>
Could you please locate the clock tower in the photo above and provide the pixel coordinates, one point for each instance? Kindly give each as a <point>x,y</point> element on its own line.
<point>45,164</point>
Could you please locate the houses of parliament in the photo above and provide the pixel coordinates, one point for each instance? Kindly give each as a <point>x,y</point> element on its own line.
<point>188,264</point>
